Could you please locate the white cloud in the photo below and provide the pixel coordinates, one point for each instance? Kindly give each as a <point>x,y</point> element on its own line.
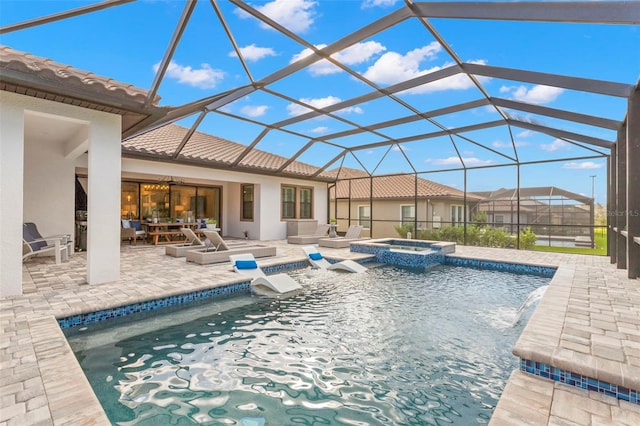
<point>378,3</point>
<point>203,78</point>
<point>556,145</point>
<point>392,67</point>
<point>295,109</point>
<point>319,129</point>
<point>585,165</point>
<point>295,15</point>
<point>455,161</point>
<point>353,55</point>
<point>254,110</point>
<point>538,94</point>
<point>525,134</point>
<point>500,144</point>
<point>253,53</point>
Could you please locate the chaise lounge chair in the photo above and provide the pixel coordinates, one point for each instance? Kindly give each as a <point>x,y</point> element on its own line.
<point>65,239</point>
<point>319,262</point>
<point>261,283</point>
<point>321,232</point>
<point>192,243</point>
<point>31,246</point>
<point>218,250</point>
<point>352,235</point>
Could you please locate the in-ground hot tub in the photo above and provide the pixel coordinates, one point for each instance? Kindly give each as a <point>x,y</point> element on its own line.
<point>403,252</point>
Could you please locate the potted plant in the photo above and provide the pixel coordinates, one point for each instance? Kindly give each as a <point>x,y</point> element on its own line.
<point>211,224</point>
<point>246,234</point>
<point>333,225</point>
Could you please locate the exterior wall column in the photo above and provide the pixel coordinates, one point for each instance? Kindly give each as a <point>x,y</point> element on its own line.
<point>621,198</point>
<point>11,197</point>
<point>103,201</point>
<point>633,184</point>
<point>611,205</point>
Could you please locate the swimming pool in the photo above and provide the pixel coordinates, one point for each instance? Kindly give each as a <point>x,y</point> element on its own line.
<point>391,346</point>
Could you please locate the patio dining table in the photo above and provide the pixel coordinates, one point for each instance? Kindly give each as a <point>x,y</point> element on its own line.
<point>169,231</point>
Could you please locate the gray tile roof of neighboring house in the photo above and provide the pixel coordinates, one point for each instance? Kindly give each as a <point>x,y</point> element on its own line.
<point>538,192</point>
<point>394,187</point>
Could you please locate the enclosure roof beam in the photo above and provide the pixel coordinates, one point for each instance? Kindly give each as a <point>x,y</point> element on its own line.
<point>574,83</point>
<point>562,134</point>
<point>614,12</point>
<point>558,113</point>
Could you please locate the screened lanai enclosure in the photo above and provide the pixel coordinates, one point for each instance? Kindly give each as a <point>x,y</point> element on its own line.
<point>417,115</point>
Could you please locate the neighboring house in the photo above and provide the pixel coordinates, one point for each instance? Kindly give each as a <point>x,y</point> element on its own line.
<point>382,202</point>
<point>545,209</point>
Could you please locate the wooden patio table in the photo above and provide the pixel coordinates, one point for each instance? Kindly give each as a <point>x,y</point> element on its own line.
<point>167,230</point>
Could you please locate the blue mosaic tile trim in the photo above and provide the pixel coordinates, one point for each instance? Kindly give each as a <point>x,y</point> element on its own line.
<point>579,381</point>
<point>418,259</point>
<point>275,269</point>
<point>151,305</point>
<point>517,268</point>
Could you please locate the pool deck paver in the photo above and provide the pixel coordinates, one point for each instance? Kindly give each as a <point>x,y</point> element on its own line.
<point>589,320</point>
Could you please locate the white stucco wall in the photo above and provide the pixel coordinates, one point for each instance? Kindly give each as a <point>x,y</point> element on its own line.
<point>11,167</point>
<point>267,224</point>
<point>37,179</point>
<point>49,188</point>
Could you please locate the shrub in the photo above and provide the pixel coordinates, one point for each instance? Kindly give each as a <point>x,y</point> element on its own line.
<point>480,218</point>
<point>403,229</point>
<point>481,235</point>
<point>527,239</point>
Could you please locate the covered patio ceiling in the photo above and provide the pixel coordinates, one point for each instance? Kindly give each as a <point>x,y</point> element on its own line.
<point>473,96</point>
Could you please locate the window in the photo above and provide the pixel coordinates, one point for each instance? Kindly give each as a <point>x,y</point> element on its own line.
<point>408,214</point>
<point>247,203</point>
<point>306,210</point>
<point>288,202</point>
<point>364,216</point>
<point>297,202</point>
<point>498,220</point>
<point>457,215</point>
<point>129,197</point>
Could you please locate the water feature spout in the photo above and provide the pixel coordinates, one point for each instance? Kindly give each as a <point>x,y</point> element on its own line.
<point>533,297</point>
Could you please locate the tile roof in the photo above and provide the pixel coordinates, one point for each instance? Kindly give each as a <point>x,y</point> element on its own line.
<point>68,76</point>
<point>213,150</point>
<point>30,75</point>
<point>393,187</point>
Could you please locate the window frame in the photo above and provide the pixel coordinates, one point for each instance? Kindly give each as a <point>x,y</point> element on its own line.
<point>243,202</point>
<point>367,219</point>
<point>297,202</point>
<point>407,219</point>
<point>457,219</point>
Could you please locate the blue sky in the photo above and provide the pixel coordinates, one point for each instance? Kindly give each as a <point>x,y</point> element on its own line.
<point>127,42</point>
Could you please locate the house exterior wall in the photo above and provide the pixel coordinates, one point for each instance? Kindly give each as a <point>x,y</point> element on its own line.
<point>386,214</point>
<point>38,183</point>
<point>267,224</point>
<point>11,190</point>
<point>49,188</point>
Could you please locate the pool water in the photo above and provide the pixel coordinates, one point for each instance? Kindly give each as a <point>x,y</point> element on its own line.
<point>390,346</point>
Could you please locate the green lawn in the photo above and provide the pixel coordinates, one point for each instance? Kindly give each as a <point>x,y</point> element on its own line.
<point>600,249</point>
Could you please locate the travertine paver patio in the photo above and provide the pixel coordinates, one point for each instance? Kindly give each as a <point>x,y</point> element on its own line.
<point>41,382</point>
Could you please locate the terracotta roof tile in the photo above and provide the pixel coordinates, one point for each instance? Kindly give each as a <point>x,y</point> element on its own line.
<point>394,187</point>
<point>49,71</point>
<point>201,146</point>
